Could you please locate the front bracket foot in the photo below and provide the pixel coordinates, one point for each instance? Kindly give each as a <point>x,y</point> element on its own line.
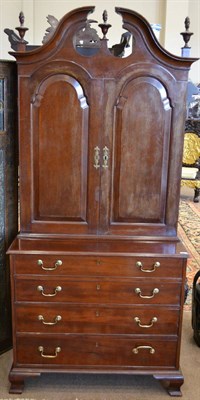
<point>16,384</point>
<point>172,383</point>
<point>17,378</point>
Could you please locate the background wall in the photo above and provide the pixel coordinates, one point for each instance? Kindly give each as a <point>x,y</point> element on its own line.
<point>169,13</point>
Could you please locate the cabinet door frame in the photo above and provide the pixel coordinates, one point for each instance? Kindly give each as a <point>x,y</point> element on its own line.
<point>88,99</point>
<point>165,226</point>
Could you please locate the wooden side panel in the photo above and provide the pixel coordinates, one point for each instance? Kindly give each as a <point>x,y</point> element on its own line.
<point>141,151</point>
<point>60,134</point>
<point>8,190</point>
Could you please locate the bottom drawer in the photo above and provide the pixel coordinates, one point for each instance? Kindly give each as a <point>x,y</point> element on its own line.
<point>80,351</point>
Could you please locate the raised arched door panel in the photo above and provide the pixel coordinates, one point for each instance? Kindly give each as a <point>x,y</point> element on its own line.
<point>63,195</point>
<point>141,137</point>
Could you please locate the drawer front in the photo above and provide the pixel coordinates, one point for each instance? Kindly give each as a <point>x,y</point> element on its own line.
<point>101,351</point>
<point>97,291</point>
<point>99,266</point>
<point>67,318</point>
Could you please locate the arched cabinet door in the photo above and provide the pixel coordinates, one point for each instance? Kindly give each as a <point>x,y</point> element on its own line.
<point>141,137</point>
<point>59,157</point>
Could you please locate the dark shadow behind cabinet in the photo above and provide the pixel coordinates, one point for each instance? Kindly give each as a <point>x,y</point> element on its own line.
<point>8,189</point>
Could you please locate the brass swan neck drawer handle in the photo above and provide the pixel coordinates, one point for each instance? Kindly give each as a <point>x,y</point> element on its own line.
<point>41,350</point>
<point>58,263</point>
<point>140,265</point>
<point>154,291</point>
<point>138,322</point>
<point>56,290</point>
<point>150,348</point>
<point>56,319</point>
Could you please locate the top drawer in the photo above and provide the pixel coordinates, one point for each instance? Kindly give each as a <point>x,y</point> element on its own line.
<point>129,266</point>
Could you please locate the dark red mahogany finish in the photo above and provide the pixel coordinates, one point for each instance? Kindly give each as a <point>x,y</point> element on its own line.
<point>97,269</point>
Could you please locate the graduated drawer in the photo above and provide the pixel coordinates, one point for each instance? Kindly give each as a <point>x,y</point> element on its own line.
<point>123,291</point>
<point>68,318</point>
<point>83,351</point>
<point>98,266</point>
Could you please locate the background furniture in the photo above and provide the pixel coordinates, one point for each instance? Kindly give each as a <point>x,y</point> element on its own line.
<point>97,270</point>
<point>191,163</point>
<point>192,125</point>
<point>8,190</point>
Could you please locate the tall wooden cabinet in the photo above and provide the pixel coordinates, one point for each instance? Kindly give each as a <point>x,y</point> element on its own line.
<point>97,269</point>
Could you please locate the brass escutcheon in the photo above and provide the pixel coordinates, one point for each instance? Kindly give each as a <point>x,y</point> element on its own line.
<point>105,157</point>
<point>96,157</point>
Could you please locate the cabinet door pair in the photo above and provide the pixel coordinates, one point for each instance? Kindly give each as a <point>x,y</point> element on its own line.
<point>95,154</point>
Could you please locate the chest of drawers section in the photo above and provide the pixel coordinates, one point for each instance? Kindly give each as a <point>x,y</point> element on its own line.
<point>97,312</point>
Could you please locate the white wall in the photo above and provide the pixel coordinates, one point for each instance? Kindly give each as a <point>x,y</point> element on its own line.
<point>9,10</point>
<point>175,14</point>
<point>194,14</point>
<point>36,11</point>
<point>169,13</point>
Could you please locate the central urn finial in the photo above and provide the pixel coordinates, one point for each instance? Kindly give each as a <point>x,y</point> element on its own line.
<point>104,27</point>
